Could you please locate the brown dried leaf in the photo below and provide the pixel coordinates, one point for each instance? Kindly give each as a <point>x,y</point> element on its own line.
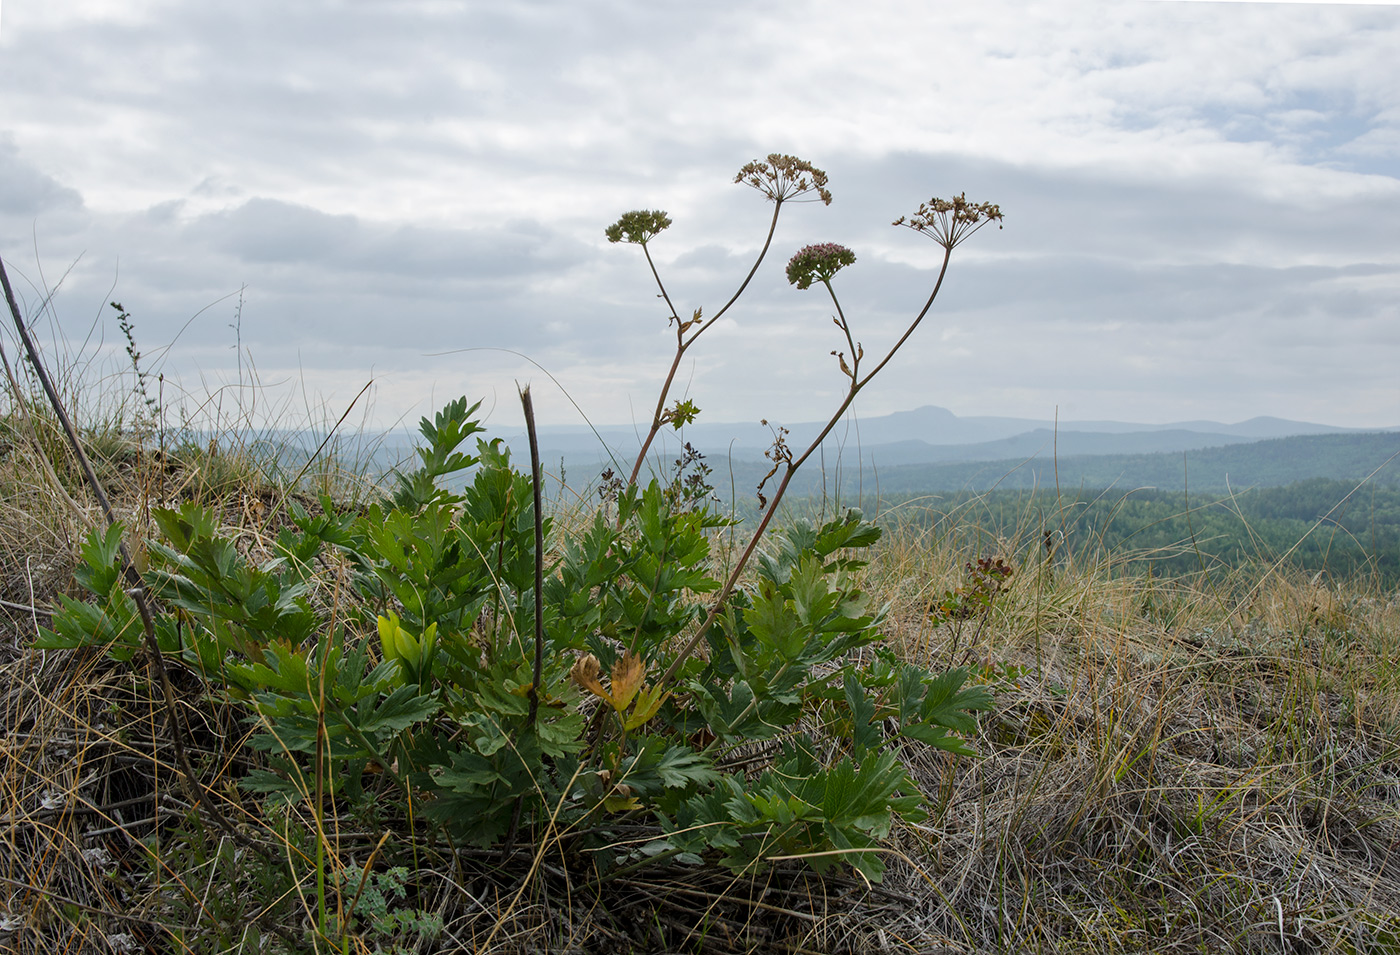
<point>585,674</point>
<point>627,675</point>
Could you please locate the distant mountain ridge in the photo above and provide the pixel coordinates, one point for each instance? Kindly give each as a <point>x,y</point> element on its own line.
<point>932,449</point>
<point>932,425</point>
<point>930,435</point>
<point>1271,462</point>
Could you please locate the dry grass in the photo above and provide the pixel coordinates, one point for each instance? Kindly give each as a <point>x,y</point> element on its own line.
<point>1173,766</point>
<point>1180,767</point>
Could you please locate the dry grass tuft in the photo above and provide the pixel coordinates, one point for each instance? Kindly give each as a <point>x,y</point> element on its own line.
<point>1184,766</point>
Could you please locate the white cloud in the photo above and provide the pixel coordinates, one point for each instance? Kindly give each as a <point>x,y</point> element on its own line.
<point>1198,196</point>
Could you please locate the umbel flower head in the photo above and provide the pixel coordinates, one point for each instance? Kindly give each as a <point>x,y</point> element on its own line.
<point>818,262</point>
<point>949,221</point>
<point>638,226</point>
<point>782,177</point>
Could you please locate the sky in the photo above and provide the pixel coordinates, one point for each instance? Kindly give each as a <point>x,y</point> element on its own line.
<point>296,200</point>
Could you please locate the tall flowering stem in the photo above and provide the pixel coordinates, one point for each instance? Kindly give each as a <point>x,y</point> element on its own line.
<point>948,223</point>
<point>781,178</point>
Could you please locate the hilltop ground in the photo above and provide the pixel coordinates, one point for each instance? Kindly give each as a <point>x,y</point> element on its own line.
<point>1172,765</point>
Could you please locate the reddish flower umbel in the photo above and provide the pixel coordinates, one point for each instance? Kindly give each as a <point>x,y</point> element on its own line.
<point>818,262</point>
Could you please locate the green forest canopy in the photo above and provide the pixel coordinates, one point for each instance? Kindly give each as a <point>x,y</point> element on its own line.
<point>1315,525</point>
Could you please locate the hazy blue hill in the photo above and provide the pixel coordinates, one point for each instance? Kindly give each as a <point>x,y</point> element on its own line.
<point>932,449</point>
<point>1042,442</point>
<point>929,435</point>
<point>1267,463</point>
<point>1046,443</point>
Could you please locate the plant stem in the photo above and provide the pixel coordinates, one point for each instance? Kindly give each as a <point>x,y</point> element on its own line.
<point>536,478</point>
<point>854,389</point>
<point>683,344</point>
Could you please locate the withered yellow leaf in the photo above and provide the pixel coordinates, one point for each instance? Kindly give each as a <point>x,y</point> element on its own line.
<point>627,674</point>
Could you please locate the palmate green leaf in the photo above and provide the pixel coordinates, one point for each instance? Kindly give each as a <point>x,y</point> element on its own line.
<point>100,569</point>
<point>930,706</point>
<point>474,796</point>
<point>485,733</point>
<point>183,528</point>
<point>681,766</point>
<point>469,772</point>
<point>801,807</point>
<point>271,784</point>
<point>201,553</point>
<point>329,527</point>
<point>948,704</point>
<point>729,711</point>
<point>864,734</point>
<point>393,713</point>
<point>288,730</point>
<point>80,623</point>
<point>867,797</point>
<point>286,671</point>
<point>446,432</point>
<point>771,619</point>
<point>561,732</point>
<point>503,696</point>
<point>351,732</point>
<point>864,853</point>
<point>812,598</point>
<point>481,817</point>
<point>850,531</point>
<point>937,737</point>
<point>656,763</point>
<point>706,821</point>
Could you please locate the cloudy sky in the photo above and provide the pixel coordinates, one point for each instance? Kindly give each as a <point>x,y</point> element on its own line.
<point>1201,200</point>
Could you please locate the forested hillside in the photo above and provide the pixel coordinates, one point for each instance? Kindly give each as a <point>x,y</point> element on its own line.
<point>1314,525</point>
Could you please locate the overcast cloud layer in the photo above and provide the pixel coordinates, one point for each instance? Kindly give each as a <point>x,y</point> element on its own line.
<point>1201,199</point>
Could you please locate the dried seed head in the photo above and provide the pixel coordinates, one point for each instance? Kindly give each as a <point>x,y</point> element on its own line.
<point>781,177</point>
<point>585,673</point>
<point>949,221</point>
<point>818,262</point>
<point>638,227</point>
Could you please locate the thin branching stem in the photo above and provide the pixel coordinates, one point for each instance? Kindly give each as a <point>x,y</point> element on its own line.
<point>662,287</point>
<point>942,271</point>
<point>717,607</point>
<point>683,344</point>
<point>772,228</point>
<point>656,421</point>
<point>845,328</point>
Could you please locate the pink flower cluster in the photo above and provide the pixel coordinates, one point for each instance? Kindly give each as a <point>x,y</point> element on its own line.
<point>818,262</point>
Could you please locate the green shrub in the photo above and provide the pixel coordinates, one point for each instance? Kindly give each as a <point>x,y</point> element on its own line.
<point>429,669</point>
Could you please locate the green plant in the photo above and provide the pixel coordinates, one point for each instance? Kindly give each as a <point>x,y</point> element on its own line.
<point>378,900</point>
<point>400,662</point>
<point>149,411</point>
<point>443,694</point>
<point>986,580</point>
